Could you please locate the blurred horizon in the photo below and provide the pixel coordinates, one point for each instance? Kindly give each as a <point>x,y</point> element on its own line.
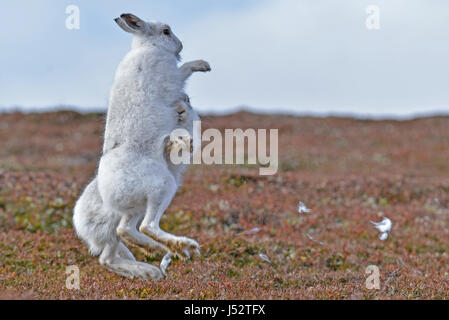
<point>245,109</point>
<point>285,56</point>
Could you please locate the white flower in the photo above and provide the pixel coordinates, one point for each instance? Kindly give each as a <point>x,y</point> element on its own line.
<point>302,208</point>
<point>165,262</point>
<point>384,227</point>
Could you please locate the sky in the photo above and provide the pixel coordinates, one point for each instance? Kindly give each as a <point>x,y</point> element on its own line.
<point>295,56</point>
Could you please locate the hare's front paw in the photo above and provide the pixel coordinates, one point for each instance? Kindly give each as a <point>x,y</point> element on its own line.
<point>175,145</point>
<point>178,144</point>
<point>182,113</point>
<point>184,247</point>
<point>200,65</point>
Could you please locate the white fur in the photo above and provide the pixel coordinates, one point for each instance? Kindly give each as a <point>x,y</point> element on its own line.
<point>136,182</point>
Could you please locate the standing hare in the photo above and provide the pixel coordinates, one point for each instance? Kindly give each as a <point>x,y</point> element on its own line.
<point>136,181</point>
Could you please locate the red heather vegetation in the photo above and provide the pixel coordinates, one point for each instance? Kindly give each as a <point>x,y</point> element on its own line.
<point>347,171</point>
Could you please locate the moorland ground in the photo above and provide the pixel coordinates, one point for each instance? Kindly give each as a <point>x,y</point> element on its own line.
<point>347,171</point>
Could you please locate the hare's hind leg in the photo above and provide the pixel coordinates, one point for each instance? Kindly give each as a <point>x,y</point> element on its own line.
<point>123,252</point>
<point>127,231</point>
<point>157,203</point>
<point>111,260</point>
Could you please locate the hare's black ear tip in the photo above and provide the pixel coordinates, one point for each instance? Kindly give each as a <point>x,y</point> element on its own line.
<point>117,19</point>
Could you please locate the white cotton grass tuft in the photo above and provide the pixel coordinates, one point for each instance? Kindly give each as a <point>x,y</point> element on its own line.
<point>165,262</point>
<point>264,257</point>
<point>252,231</point>
<point>384,227</point>
<point>383,236</point>
<point>302,208</point>
<point>311,238</point>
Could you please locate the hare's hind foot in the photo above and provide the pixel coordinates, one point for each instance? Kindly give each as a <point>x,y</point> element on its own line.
<point>134,269</point>
<point>126,267</point>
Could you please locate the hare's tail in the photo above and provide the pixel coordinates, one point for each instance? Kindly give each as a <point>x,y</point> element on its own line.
<point>92,223</point>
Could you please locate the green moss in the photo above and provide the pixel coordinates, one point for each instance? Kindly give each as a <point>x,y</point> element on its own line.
<point>232,273</point>
<point>336,262</point>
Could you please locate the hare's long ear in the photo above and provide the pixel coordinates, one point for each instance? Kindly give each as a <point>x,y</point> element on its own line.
<point>130,23</point>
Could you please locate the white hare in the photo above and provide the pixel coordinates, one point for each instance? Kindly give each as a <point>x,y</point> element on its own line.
<point>135,182</point>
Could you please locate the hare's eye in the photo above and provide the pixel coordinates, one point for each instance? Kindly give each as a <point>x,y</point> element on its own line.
<point>166,32</point>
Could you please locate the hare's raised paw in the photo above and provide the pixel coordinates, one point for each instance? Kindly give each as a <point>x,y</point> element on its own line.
<point>194,66</point>
<point>200,66</point>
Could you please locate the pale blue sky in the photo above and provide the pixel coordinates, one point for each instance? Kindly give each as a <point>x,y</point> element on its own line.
<point>304,56</point>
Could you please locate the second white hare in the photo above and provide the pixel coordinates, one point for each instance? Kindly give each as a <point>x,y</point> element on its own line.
<point>135,182</point>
